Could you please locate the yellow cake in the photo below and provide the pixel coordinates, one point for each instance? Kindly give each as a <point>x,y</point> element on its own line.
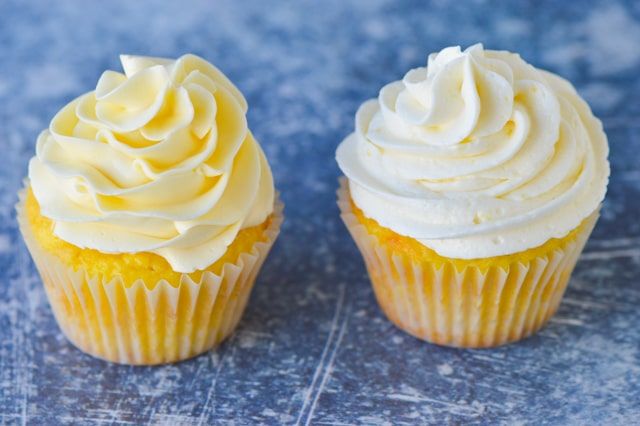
<point>419,253</point>
<point>472,186</point>
<point>134,308</point>
<point>476,303</point>
<point>149,210</point>
<point>148,267</point>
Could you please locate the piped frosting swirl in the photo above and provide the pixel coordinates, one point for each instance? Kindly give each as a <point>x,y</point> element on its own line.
<point>156,159</point>
<point>478,154</point>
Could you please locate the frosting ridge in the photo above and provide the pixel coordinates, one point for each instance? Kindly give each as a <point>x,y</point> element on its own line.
<point>478,154</point>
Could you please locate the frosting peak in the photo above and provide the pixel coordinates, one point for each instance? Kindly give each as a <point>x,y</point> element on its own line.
<point>158,159</point>
<point>478,154</point>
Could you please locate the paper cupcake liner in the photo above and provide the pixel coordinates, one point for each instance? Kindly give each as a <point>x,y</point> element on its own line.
<point>468,306</point>
<point>135,323</point>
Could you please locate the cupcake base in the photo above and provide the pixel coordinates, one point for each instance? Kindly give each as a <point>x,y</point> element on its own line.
<point>148,323</point>
<point>459,303</point>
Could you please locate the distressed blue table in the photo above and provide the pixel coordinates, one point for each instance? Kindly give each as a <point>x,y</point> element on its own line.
<point>313,347</point>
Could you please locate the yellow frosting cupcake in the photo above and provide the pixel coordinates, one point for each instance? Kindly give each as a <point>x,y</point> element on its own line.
<point>149,210</point>
<point>472,187</point>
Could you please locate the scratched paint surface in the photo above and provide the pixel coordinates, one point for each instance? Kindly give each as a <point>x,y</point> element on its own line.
<point>313,348</point>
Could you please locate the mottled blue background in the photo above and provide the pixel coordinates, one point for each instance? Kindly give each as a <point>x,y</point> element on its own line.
<point>313,347</point>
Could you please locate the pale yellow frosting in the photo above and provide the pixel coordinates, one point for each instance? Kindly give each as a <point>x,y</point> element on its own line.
<point>158,159</point>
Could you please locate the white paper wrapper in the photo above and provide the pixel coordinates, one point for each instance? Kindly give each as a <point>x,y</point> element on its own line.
<point>468,307</point>
<point>134,323</point>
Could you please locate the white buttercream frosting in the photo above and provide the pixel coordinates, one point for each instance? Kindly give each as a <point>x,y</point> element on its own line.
<point>157,159</point>
<point>479,154</point>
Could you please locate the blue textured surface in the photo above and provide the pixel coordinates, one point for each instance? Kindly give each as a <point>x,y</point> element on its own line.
<point>313,347</point>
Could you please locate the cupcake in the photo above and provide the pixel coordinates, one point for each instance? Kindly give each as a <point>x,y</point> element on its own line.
<point>149,210</point>
<point>471,188</point>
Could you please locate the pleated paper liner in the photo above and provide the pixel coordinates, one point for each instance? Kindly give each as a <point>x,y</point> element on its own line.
<point>466,306</point>
<point>132,323</point>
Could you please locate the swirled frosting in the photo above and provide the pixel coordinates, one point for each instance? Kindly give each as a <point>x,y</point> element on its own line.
<point>477,155</point>
<point>158,159</point>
